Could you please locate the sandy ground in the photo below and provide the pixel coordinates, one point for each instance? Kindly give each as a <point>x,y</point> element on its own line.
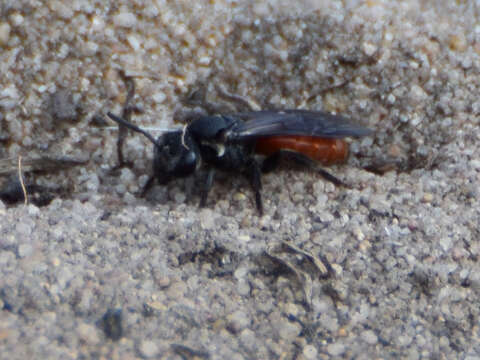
<point>384,268</point>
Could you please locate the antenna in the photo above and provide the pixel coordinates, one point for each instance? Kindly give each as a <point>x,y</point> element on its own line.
<point>129,125</point>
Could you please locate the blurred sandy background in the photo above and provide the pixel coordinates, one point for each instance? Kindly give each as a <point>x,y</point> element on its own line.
<point>221,282</point>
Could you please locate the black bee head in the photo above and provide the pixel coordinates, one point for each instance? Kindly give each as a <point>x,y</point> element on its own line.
<point>175,155</point>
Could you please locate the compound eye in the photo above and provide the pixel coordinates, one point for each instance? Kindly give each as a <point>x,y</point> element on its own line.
<point>187,165</point>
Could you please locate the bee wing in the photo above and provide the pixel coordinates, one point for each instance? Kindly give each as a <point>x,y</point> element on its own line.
<point>294,123</point>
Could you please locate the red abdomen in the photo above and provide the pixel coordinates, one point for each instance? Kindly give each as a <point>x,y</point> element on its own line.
<point>327,151</point>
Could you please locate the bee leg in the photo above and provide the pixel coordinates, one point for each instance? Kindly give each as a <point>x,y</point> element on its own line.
<point>271,162</point>
<point>274,160</point>
<point>329,177</point>
<point>207,186</point>
<point>254,174</point>
<point>148,185</point>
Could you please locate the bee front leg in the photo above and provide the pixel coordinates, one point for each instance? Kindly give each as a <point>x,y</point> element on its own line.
<point>206,187</point>
<point>254,174</point>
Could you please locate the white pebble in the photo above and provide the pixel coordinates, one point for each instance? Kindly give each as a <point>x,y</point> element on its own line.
<point>134,42</point>
<point>159,97</point>
<point>369,337</point>
<point>336,349</point>
<point>25,250</point>
<point>16,19</point>
<point>310,352</point>
<point>125,19</point>
<point>4,33</point>
<point>148,349</point>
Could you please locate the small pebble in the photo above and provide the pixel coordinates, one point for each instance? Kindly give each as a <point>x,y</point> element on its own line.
<point>125,19</point>
<point>4,33</point>
<point>369,337</point>
<point>237,321</point>
<point>427,198</point>
<point>336,349</point>
<point>289,330</point>
<point>88,333</point>
<point>310,352</point>
<point>25,250</point>
<point>148,348</point>
<point>111,323</point>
